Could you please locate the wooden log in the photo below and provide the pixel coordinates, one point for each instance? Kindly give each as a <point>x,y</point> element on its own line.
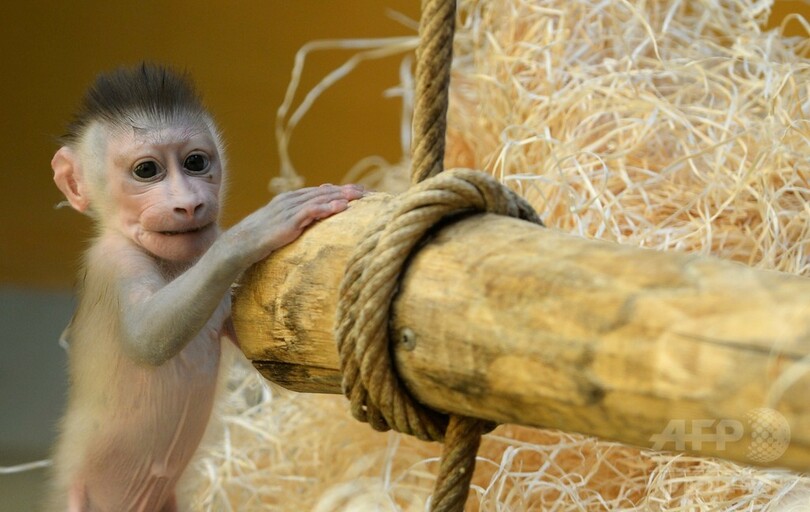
<point>501,319</point>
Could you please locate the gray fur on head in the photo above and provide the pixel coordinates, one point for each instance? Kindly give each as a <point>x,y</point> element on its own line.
<point>128,97</point>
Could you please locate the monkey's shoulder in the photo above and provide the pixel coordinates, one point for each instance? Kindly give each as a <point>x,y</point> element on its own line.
<point>108,262</point>
<point>111,260</point>
<point>115,251</point>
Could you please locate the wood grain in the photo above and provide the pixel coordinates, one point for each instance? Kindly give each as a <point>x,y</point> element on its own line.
<point>500,319</point>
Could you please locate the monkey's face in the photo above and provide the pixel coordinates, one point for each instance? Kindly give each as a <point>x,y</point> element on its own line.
<point>164,188</point>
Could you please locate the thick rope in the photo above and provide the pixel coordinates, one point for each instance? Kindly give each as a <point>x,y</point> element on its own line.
<point>369,380</point>
<point>433,61</point>
<point>371,280</point>
<point>457,465</point>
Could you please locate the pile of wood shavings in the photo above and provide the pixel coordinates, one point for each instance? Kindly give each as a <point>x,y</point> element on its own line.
<point>677,126</point>
<point>283,451</point>
<point>667,125</point>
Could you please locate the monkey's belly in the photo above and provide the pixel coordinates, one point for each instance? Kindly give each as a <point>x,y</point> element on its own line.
<point>145,442</point>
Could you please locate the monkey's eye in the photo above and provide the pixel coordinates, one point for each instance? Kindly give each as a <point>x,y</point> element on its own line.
<point>146,171</point>
<point>196,163</point>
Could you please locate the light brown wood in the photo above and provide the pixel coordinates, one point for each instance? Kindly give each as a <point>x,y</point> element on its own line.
<point>501,319</point>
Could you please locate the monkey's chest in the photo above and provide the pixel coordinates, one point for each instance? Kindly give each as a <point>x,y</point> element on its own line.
<point>174,400</point>
<point>184,387</point>
<point>198,360</point>
<point>151,427</point>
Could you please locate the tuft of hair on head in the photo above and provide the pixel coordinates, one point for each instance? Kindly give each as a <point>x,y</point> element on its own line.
<point>127,97</point>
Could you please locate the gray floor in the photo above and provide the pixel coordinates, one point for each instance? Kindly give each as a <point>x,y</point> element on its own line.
<point>22,491</point>
<point>32,384</point>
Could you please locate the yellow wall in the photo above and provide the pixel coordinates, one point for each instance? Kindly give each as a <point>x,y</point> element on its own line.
<point>240,54</point>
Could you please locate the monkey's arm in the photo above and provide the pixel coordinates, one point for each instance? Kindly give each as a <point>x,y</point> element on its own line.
<point>159,317</point>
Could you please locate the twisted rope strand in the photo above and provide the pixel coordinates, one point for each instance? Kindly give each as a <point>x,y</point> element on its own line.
<point>461,444</point>
<point>372,278</point>
<point>369,380</point>
<point>432,81</point>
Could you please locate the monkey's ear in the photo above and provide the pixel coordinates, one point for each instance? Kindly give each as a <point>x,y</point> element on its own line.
<point>68,177</point>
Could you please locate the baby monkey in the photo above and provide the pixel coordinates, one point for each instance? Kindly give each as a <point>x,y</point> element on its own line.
<point>144,159</point>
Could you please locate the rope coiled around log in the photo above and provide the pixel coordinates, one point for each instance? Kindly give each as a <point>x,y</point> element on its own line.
<point>368,287</point>
<point>372,277</point>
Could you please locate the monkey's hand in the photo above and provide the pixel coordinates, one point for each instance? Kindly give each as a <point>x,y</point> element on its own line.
<point>152,306</point>
<point>283,219</point>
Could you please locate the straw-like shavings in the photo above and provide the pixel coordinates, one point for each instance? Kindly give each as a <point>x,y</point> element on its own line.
<point>672,125</point>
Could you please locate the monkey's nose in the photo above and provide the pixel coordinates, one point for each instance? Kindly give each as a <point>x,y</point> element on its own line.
<point>188,210</point>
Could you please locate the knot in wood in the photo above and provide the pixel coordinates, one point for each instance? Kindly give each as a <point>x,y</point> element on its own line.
<point>371,280</point>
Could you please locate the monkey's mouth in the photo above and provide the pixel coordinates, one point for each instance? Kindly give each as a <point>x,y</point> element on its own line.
<point>189,231</point>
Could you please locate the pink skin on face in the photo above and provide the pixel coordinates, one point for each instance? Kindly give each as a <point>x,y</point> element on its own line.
<point>165,186</point>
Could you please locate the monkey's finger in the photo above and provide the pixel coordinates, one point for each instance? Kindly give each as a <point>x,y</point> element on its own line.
<point>352,192</point>
<point>324,194</point>
<point>311,212</point>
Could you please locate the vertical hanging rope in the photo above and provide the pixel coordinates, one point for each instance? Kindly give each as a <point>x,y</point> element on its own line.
<point>461,442</point>
<point>434,60</point>
<point>368,288</point>
<point>434,57</point>
<point>370,380</point>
